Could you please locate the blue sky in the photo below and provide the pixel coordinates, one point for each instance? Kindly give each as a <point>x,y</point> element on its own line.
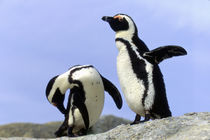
<point>40,39</point>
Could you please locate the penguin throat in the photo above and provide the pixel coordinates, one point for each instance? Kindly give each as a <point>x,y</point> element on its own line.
<point>124,34</point>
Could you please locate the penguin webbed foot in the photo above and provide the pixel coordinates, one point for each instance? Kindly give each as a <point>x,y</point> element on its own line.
<point>82,132</point>
<point>61,131</point>
<point>137,119</point>
<point>59,134</point>
<point>70,133</point>
<point>147,118</point>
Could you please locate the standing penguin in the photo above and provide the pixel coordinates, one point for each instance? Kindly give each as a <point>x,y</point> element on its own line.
<point>86,99</point>
<point>139,74</point>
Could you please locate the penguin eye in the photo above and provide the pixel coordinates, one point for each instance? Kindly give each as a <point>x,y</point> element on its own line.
<point>120,19</point>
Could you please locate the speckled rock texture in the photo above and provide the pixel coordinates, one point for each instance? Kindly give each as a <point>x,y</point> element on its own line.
<point>191,126</point>
<point>47,130</point>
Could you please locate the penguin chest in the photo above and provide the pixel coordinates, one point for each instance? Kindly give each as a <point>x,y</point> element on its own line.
<point>133,88</point>
<point>94,100</point>
<point>94,103</point>
<point>138,90</point>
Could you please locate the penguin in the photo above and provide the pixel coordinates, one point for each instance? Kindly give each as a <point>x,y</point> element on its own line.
<point>138,72</point>
<point>86,98</point>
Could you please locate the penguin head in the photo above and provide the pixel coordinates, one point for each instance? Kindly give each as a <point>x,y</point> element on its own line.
<point>121,23</point>
<point>55,95</point>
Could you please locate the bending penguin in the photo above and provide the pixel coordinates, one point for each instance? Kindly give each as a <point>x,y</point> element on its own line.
<point>139,74</point>
<point>86,98</point>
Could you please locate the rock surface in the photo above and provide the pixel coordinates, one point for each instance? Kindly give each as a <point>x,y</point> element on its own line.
<point>47,130</point>
<point>191,126</point>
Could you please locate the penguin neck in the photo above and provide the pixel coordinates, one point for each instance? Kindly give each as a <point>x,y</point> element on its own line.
<point>133,39</point>
<point>63,83</point>
<point>126,35</point>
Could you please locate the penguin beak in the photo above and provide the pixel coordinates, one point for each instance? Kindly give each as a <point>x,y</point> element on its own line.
<point>107,18</point>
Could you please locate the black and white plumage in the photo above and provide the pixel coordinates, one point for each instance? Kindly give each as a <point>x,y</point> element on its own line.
<point>159,54</point>
<point>139,74</point>
<point>86,99</point>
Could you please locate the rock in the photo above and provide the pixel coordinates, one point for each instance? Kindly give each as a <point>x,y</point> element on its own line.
<point>47,130</point>
<point>106,123</point>
<point>29,130</point>
<point>192,126</point>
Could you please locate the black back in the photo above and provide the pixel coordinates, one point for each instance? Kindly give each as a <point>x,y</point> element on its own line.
<point>160,105</point>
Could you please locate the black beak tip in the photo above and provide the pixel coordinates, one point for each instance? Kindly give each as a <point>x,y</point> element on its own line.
<point>103,18</point>
<point>107,18</point>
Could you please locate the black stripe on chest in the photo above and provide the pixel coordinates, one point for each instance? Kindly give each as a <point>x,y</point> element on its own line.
<point>79,83</point>
<point>138,66</point>
<point>78,94</point>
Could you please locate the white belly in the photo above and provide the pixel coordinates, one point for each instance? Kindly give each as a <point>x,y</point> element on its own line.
<point>94,107</point>
<point>94,100</point>
<point>94,89</point>
<point>132,87</point>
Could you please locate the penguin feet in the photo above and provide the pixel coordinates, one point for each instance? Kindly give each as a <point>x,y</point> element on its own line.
<point>70,133</point>
<point>147,118</point>
<point>82,132</point>
<point>137,119</point>
<point>58,134</point>
<point>61,131</point>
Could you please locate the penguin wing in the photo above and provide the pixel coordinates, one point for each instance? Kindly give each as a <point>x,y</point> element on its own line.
<point>113,91</point>
<point>79,102</point>
<point>161,53</point>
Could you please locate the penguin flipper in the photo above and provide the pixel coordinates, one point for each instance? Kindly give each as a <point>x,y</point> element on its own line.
<point>164,52</point>
<point>113,92</point>
<point>79,102</point>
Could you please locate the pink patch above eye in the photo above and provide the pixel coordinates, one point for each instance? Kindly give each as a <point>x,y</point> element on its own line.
<point>118,17</point>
